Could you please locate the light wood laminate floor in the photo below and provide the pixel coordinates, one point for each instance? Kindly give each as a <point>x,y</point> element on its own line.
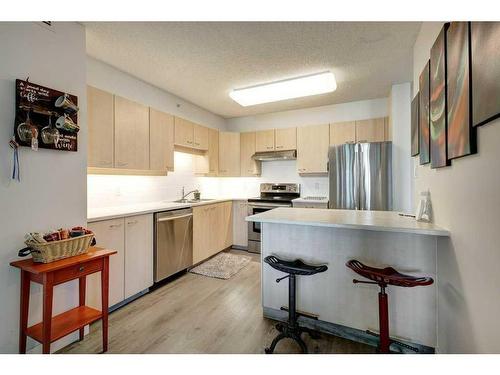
<point>198,314</point>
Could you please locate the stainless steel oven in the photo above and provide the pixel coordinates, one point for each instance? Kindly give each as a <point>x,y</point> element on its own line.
<point>271,196</point>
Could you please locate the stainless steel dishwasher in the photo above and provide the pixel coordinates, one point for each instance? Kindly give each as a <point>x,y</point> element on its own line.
<point>173,246</point>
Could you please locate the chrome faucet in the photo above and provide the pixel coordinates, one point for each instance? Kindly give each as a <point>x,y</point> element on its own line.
<point>184,195</point>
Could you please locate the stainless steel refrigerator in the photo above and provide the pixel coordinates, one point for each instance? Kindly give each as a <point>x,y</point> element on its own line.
<point>361,176</point>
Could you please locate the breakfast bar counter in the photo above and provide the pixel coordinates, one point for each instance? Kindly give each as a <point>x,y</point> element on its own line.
<point>333,237</point>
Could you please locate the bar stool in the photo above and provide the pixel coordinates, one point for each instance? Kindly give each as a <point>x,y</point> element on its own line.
<point>292,329</point>
<point>384,277</point>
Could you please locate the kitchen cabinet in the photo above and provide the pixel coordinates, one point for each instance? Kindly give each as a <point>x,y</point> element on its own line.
<point>200,137</point>
<point>264,140</point>
<point>161,140</point>
<point>229,154</point>
<point>371,130</point>
<point>138,254</point>
<point>207,164</point>
<point>100,119</point>
<point>249,166</point>
<point>312,149</point>
<point>184,132</point>
<point>109,234</point>
<point>342,132</point>
<point>286,139</point>
<point>388,128</point>
<point>131,134</point>
<point>212,229</point>
<point>240,226</point>
<point>131,269</point>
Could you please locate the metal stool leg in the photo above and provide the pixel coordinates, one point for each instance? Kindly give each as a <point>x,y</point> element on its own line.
<point>383,318</point>
<point>278,338</point>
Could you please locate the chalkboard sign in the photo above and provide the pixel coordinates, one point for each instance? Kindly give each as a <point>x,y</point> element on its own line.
<point>45,118</point>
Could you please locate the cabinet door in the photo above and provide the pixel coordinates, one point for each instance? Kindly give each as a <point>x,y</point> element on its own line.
<point>184,132</point>
<point>372,130</point>
<point>227,224</point>
<point>213,152</point>
<point>201,233</point>
<point>264,140</point>
<point>388,128</point>
<point>200,137</point>
<point>161,140</point>
<point>240,226</point>
<point>342,132</point>
<point>100,120</point>
<point>138,254</point>
<point>249,167</point>
<point>286,139</point>
<point>229,154</point>
<point>312,149</point>
<point>109,234</point>
<point>131,134</point>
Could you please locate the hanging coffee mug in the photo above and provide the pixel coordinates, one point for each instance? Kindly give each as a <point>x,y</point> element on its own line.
<point>65,103</point>
<point>66,123</point>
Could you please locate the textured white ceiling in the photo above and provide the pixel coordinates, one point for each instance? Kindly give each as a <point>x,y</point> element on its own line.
<point>203,61</point>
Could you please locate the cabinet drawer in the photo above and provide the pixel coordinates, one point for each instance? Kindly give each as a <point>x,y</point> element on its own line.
<point>77,271</point>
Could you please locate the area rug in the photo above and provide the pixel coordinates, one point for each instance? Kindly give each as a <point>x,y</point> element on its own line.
<point>222,266</point>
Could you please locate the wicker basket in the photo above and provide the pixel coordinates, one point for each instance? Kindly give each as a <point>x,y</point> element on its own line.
<point>51,251</point>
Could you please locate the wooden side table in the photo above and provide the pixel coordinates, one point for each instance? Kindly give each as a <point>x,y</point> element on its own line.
<point>58,272</point>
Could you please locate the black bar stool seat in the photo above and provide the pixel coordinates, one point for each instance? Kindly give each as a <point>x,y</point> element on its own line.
<point>292,269</point>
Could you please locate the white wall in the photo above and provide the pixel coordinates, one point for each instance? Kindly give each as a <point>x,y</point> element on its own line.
<point>402,183</point>
<point>466,200</point>
<point>52,190</point>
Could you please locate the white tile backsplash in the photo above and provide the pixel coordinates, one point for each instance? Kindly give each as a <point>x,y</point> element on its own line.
<point>110,191</point>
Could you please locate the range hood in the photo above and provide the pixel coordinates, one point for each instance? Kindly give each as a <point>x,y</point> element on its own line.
<point>275,155</point>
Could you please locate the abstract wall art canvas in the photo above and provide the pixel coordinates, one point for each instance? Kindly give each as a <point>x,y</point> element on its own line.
<point>423,115</point>
<point>414,126</point>
<point>461,134</point>
<point>485,46</point>
<point>438,107</point>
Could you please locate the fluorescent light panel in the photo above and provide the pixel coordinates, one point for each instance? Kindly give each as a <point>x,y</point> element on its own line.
<point>314,84</point>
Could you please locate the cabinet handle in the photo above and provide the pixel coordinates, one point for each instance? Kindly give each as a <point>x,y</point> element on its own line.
<point>81,268</point>
<point>132,222</point>
<point>196,143</point>
<point>269,147</point>
<point>102,162</point>
<point>121,164</point>
<point>362,140</point>
<point>189,142</point>
<point>115,225</point>
<point>279,146</point>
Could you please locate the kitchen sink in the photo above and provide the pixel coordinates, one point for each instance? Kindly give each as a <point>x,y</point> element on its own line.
<point>192,200</point>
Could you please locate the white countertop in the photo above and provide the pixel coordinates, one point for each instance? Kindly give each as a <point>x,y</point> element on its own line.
<point>387,221</point>
<point>107,213</point>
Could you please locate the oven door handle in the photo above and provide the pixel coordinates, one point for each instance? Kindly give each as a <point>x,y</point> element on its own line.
<point>270,205</point>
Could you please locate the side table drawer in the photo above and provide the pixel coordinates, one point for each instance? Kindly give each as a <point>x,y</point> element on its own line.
<point>78,270</point>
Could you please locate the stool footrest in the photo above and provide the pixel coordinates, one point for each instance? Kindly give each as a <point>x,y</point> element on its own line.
<point>301,313</point>
<point>412,348</point>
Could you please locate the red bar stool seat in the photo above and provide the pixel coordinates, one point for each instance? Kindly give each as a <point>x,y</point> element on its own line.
<point>384,277</point>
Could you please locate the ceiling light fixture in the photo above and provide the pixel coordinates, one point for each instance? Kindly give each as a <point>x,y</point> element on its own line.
<point>314,84</point>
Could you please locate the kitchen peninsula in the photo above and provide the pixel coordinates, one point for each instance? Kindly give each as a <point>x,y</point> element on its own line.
<point>332,237</point>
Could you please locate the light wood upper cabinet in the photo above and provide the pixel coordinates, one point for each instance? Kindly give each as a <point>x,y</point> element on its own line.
<point>213,152</point>
<point>249,167</point>
<point>161,140</point>
<point>200,137</point>
<point>264,140</point>
<point>286,139</point>
<point>138,254</point>
<point>388,128</point>
<point>312,149</point>
<point>100,124</point>
<point>184,132</point>
<point>131,134</point>
<point>229,154</point>
<point>372,130</point>
<point>342,132</point>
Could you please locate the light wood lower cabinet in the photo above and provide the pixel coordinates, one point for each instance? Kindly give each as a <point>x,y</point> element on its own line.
<point>138,254</point>
<point>100,119</point>
<point>131,134</point>
<point>131,269</point>
<point>240,226</point>
<point>249,166</point>
<point>212,229</point>
<point>312,149</point>
<point>161,140</point>
<point>229,154</point>
<point>286,139</point>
